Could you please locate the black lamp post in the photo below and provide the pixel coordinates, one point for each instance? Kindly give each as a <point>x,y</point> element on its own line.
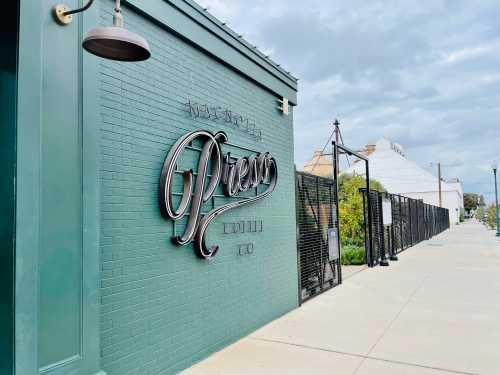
<point>494,166</point>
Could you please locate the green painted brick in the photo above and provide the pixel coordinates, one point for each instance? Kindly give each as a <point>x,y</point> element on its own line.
<point>162,309</point>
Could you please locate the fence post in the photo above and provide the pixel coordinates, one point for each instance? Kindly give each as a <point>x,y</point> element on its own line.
<point>321,257</point>
<point>369,208</point>
<point>297,234</point>
<point>401,223</point>
<point>383,257</point>
<point>336,200</point>
<point>393,255</point>
<point>410,204</point>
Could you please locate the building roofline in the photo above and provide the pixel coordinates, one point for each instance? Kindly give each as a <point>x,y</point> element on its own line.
<point>210,34</point>
<point>238,38</point>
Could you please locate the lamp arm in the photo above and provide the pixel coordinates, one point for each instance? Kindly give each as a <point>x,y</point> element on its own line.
<point>82,9</point>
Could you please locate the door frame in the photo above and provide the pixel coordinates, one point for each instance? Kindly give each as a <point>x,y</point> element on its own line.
<point>36,22</point>
<point>8,112</point>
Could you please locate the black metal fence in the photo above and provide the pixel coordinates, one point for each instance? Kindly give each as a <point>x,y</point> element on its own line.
<point>393,224</point>
<point>319,268</point>
<point>407,222</point>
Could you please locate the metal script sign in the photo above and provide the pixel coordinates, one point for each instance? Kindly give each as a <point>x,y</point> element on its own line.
<point>214,168</point>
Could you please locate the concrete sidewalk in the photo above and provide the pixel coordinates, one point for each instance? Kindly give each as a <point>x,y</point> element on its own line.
<point>436,311</point>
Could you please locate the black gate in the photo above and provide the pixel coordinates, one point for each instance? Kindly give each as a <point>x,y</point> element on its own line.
<point>319,266</point>
<point>374,240</point>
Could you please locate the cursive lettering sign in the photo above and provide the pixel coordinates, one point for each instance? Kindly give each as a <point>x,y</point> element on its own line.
<point>235,176</point>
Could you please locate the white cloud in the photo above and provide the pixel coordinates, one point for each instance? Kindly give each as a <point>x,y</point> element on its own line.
<point>222,9</point>
<point>423,73</point>
<point>469,53</point>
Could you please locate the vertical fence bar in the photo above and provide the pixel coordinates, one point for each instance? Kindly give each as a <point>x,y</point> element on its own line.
<point>335,157</point>
<point>401,222</point>
<point>393,256</point>
<point>297,234</point>
<point>383,255</point>
<point>369,209</point>
<point>321,260</point>
<point>367,246</point>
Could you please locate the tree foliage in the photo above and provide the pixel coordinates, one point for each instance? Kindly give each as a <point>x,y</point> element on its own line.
<point>491,218</point>
<point>351,207</point>
<point>472,201</point>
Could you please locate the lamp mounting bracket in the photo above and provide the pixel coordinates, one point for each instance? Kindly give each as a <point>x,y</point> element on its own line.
<point>64,15</point>
<point>60,14</point>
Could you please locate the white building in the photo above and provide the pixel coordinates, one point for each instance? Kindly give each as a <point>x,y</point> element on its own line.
<point>399,175</point>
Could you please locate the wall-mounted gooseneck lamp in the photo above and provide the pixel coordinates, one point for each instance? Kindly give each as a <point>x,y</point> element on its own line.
<point>110,42</point>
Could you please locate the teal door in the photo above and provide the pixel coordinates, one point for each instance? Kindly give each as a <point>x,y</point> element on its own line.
<point>56,252</point>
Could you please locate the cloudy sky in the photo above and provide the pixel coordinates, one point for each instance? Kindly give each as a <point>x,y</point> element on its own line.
<point>425,74</point>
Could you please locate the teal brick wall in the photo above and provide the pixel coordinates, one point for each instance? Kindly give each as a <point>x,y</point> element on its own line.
<point>162,308</point>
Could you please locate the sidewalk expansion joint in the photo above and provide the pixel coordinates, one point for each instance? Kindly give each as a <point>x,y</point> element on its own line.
<point>398,314</point>
<point>419,286</point>
<point>364,357</point>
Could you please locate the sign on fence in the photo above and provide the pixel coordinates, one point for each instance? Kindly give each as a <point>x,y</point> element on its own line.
<point>386,211</point>
<point>333,244</point>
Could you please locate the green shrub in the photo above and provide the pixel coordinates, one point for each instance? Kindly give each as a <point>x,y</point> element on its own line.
<point>351,214</point>
<point>491,218</point>
<point>353,255</point>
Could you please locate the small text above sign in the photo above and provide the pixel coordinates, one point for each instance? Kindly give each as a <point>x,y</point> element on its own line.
<point>217,113</point>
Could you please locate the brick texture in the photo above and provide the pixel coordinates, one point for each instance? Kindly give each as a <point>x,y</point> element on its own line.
<point>162,308</point>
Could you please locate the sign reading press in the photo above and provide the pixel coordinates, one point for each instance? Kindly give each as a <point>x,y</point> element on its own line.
<point>235,174</point>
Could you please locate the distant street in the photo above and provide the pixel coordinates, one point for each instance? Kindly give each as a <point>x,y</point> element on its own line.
<point>436,311</point>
